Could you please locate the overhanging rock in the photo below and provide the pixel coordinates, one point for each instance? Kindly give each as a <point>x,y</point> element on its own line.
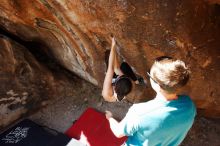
<point>78,34</point>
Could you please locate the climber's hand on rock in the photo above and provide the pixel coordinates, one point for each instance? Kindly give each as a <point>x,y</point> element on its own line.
<point>113,42</point>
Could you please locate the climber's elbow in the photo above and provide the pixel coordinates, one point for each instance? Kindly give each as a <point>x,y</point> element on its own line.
<point>108,97</point>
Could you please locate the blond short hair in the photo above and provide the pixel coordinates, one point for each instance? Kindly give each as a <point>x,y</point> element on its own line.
<point>171,74</point>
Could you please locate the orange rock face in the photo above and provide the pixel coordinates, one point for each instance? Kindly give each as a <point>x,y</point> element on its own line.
<point>77,34</point>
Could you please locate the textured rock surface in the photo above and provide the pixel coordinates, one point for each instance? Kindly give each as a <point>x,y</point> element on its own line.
<point>77,34</point>
<point>25,84</point>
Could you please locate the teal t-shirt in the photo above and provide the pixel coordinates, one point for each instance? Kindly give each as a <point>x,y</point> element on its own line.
<point>159,122</point>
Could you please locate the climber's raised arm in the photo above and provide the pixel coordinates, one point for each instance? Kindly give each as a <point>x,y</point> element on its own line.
<point>117,64</point>
<point>107,91</point>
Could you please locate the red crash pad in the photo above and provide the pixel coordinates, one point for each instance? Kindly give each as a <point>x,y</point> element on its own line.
<point>95,127</point>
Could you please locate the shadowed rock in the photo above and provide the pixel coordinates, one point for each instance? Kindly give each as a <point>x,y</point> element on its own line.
<point>26,85</point>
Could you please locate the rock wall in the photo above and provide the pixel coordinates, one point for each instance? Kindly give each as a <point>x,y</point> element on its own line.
<point>77,33</point>
<point>25,83</point>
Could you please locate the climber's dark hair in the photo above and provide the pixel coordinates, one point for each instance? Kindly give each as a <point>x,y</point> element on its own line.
<point>123,86</point>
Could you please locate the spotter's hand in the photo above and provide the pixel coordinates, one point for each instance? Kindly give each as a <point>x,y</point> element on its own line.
<point>108,114</point>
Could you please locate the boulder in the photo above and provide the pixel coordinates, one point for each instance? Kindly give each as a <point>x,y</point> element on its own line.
<point>78,32</point>
<point>26,85</point>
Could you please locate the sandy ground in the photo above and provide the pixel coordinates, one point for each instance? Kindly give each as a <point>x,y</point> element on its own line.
<point>61,112</point>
